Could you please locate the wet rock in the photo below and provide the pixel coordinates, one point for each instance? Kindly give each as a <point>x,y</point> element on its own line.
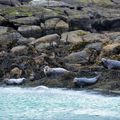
<point>73,36</point>
<point>20,50</point>
<point>16,72</point>
<point>30,31</point>
<point>107,24</point>
<point>111,49</point>
<point>77,57</point>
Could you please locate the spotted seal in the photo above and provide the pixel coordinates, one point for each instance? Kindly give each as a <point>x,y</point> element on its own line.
<point>54,71</point>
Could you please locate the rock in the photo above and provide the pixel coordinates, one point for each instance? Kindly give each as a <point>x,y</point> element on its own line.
<point>16,72</point>
<point>73,36</point>
<point>114,37</point>
<point>26,21</point>
<point>10,37</point>
<point>46,41</point>
<point>82,23</point>
<point>73,67</point>
<point>25,41</point>
<point>96,37</point>
<point>77,57</point>
<point>61,25</point>
<point>96,46</point>
<point>111,49</point>
<point>20,50</point>
<point>42,46</point>
<point>30,31</point>
<point>3,30</point>
<point>50,4</point>
<point>55,25</point>
<point>10,2</point>
<point>2,20</point>
<point>3,54</point>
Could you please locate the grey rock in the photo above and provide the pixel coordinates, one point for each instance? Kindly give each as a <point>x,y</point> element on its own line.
<point>96,46</point>
<point>30,31</point>
<point>77,57</point>
<point>19,50</point>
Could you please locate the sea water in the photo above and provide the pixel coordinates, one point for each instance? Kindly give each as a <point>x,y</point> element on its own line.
<point>56,104</point>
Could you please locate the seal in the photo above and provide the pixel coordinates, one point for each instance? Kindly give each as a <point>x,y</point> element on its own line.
<point>13,81</point>
<point>54,71</point>
<point>84,81</point>
<point>10,2</point>
<point>110,64</point>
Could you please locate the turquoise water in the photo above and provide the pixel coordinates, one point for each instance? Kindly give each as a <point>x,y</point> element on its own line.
<point>57,104</point>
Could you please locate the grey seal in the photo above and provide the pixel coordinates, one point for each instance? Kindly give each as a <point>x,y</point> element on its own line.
<point>83,81</point>
<point>54,71</point>
<point>110,64</point>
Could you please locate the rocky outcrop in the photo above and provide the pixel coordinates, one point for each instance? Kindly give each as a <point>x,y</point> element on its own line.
<point>72,38</point>
<point>30,31</point>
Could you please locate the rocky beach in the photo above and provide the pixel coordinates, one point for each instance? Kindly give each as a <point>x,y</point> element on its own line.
<point>60,34</point>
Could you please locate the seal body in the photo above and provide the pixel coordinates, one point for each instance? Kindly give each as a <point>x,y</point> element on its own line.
<point>83,81</point>
<point>110,64</point>
<point>13,81</point>
<point>54,71</point>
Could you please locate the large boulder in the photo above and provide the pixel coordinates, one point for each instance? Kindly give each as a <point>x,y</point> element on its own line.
<point>30,31</point>
<point>111,49</point>
<point>56,25</point>
<point>20,50</point>
<point>46,41</point>
<point>73,36</point>
<point>77,57</point>
<point>27,21</point>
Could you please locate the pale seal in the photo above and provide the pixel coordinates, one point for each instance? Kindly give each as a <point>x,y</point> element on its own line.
<point>110,64</point>
<point>83,81</point>
<point>13,81</point>
<point>54,71</point>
